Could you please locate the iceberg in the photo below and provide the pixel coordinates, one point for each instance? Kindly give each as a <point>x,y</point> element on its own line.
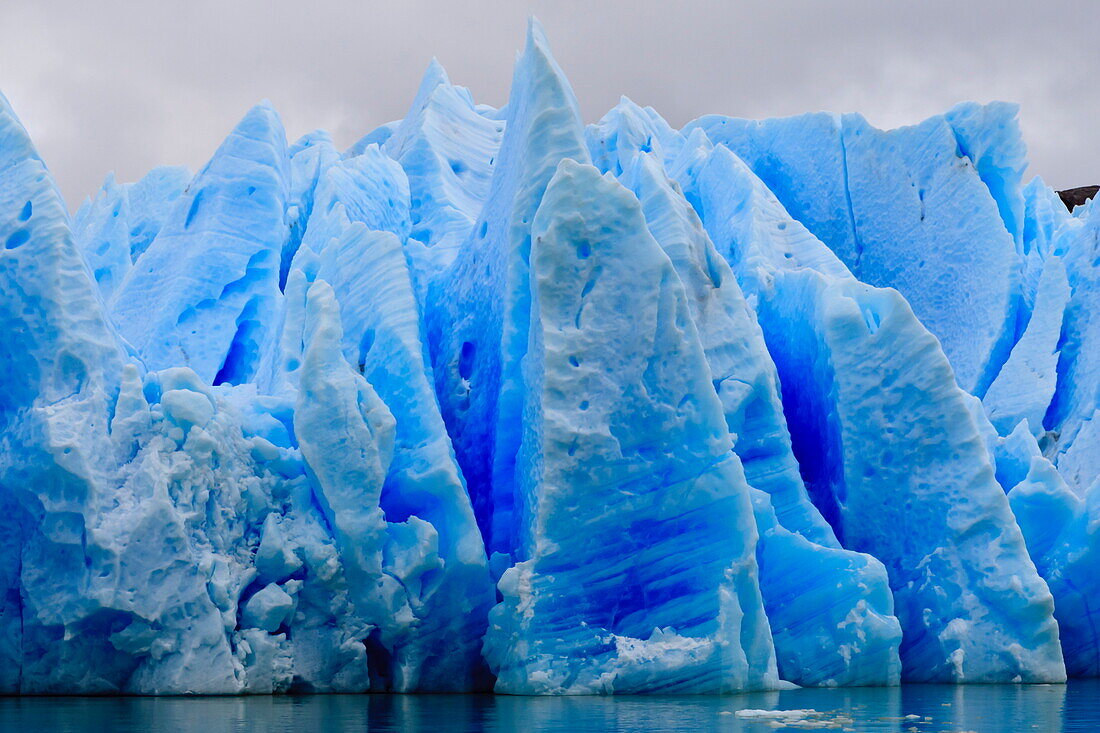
<point>854,361</point>
<point>686,615</point>
<point>814,648</point>
<point>494,400</point>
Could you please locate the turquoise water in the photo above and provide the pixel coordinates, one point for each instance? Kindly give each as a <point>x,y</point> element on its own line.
<point>921,708</point>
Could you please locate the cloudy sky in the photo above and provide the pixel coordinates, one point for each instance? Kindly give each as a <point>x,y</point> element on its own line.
<point>124,86</point>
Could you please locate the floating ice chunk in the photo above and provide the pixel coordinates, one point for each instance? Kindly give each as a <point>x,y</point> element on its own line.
<point>776,714</point>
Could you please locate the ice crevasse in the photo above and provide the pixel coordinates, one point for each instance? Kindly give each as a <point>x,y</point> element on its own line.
<point>494,400</point>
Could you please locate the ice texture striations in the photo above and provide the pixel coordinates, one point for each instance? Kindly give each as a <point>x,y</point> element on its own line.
<point>687,614</point>
<point>478,312</point>
<point>205,291</point>
<point>841,384</point>
<point>902,209</point>
<point>492,400</point>
<point>812,648</point>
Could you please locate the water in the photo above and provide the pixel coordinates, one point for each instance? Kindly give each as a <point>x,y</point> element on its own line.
<point>920,708</point>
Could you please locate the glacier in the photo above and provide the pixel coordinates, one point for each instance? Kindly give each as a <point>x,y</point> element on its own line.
<point>494,400</point>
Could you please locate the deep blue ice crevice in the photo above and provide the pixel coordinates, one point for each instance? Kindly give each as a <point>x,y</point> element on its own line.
<point>835,624</point>
<point>1025,386</point>
<point>283,425</point>
<point>741,369</point>
<point>854,363</point>
<point>478,311</point>
<point>1077,395</point>
<point>989,134</point>
<point>310,157</point>
<point>921,495</point>
<point>346,436</point>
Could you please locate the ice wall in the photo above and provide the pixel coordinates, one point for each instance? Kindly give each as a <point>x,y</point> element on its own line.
<point>494,400</point>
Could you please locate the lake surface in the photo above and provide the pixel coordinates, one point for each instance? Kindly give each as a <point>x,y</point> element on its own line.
<point>921,708</point>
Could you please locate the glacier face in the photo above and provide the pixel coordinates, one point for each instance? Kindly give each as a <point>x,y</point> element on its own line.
<point>495,400</point>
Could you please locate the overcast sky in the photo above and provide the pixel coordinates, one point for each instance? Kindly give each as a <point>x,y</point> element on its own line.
<point>124,86</point>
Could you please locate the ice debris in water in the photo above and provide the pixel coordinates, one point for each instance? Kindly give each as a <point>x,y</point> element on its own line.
<point>492,400</point>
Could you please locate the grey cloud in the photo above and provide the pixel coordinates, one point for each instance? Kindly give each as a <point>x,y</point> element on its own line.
<point>124,86</point>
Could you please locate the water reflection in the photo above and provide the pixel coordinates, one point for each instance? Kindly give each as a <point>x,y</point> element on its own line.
<point>921,708</point>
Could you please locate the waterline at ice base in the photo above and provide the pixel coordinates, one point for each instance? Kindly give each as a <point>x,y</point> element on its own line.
<point>495,400</point>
